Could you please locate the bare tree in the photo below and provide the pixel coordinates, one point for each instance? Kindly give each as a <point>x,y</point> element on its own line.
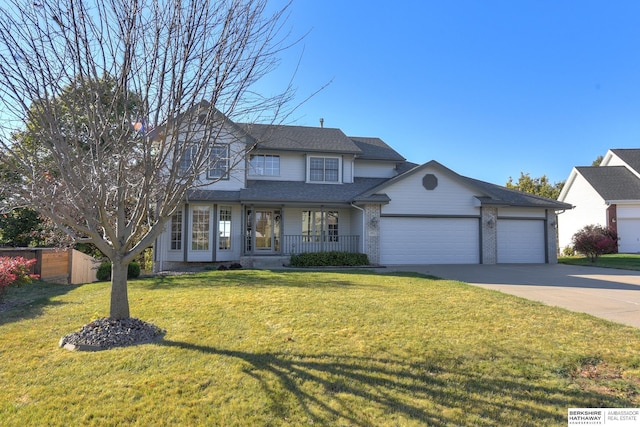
<point>98,98</point>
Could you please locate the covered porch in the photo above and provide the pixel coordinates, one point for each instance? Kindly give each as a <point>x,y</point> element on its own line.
<point>270,231</point>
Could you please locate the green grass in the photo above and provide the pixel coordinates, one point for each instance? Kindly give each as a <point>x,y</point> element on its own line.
<point>622,261</point>
<point>321,348</point>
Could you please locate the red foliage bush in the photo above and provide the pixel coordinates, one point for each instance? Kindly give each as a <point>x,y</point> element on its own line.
<point>595,240</point>
<point>15,271</point>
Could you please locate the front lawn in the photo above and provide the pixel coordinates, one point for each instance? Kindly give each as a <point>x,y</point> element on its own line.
<point>312,348</point>
<point>623,261</point>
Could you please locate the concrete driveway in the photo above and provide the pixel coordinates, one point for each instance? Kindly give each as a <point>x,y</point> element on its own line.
<point>603,292</point>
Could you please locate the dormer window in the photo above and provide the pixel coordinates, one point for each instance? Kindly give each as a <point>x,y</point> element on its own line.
<point>324,169</point>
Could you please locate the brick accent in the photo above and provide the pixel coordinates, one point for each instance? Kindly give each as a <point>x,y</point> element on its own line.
<point>552,237</point>
<point>489,235</point>
<point>372,232</point>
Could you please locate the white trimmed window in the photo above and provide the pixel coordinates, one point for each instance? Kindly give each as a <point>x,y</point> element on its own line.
<point>200,228</point>
<point>264,165</point>
<point>224,228</point>
<point>324,169</point>
<point>219,162</point>
<point>176,231</point>
<point>317,225</point>
<point>186,161</point>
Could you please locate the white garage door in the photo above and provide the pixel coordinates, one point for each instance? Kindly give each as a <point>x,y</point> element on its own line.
<point>629,234</point>
<point>521,241</point>
<point>429,241</point>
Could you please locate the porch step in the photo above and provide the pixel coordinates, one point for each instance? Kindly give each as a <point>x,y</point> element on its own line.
<point>264,262</point>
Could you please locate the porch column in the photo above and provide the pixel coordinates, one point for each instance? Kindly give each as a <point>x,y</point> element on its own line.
<point>488,235</point>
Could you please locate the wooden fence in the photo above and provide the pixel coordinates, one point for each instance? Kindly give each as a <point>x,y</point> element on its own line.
<point>58,266</point>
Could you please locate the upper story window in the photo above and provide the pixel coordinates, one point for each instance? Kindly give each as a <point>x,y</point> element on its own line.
<point>264,165</point>
<point>186,161</point>
<point>324,169</point>
<point>219,162</point>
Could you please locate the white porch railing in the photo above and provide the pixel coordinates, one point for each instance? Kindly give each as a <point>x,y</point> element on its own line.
<point>298,244</point>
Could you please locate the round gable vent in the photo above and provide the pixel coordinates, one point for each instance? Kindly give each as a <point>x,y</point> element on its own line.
<point>430,181</point>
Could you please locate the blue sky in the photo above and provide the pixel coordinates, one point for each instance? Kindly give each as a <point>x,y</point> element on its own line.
<point>488,88</point>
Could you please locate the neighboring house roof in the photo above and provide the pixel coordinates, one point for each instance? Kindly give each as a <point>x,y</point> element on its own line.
<point>613,182</point>
<point>375,149</point>
<point>630,156</point>
<point>258,191</point>
<point>300,138</point>
<point>487,193</point>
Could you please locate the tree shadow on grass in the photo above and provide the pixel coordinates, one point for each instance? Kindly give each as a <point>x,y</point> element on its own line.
<point>28,301</point>
<point>332,389</point>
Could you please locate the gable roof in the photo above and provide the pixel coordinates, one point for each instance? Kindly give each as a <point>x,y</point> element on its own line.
<point>487,193</point>
<point>300,138</point>
<point>613,182</point>
<point>630,156</point>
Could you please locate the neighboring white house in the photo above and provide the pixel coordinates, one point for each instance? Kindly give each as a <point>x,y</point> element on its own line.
<point>308,189</point>
<point>607,195</point>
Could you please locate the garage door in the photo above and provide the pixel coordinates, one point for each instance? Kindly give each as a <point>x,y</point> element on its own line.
<point>629,233</point>
<point>429,241</point>
<point>521,241</point>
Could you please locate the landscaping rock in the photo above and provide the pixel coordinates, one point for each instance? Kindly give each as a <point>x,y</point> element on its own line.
<point>103,334</point>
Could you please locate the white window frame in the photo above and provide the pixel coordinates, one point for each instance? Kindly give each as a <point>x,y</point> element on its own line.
<point>263,170</point>
<point>177,230</point>
<point>216,160</point>
<point>200,230</point>
<point>225,225</point>
<point>319,225</point>
<point>186,161</point>
<point>324,171</point>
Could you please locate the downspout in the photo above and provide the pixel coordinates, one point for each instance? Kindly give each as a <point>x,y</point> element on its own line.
<point>363,224</point>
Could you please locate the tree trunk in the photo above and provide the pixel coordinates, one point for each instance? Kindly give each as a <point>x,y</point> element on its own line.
<point>119,297</point>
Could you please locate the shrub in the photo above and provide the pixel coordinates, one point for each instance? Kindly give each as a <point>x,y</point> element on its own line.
<point>104,271</point>
<point>595,240</point>
<point>328,259</point>
<point>133,271</point>
<point>15,272</point>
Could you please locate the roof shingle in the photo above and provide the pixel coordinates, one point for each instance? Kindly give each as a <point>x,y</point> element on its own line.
<point>376,149</point>
<point>612,182</point>
<point>259,191</point>
<point>630,156</point>
<point>300,138</point>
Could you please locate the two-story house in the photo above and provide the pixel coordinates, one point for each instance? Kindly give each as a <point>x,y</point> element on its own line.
<point>295,189</point>
<point>607,195</point>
